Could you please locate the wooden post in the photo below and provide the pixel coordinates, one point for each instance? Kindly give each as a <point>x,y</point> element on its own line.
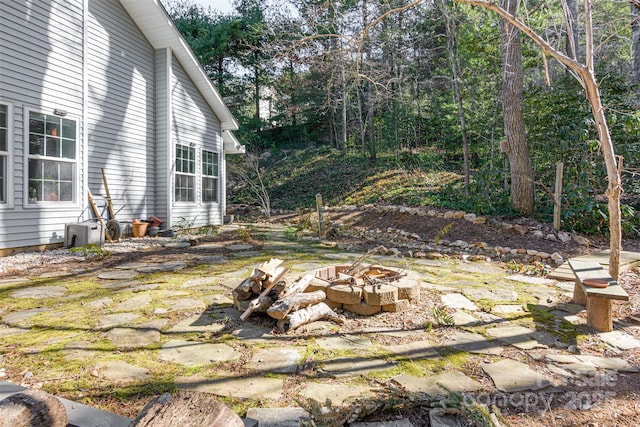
<point>557,199</point>
<point>599,314</point>
<point>320,213</point>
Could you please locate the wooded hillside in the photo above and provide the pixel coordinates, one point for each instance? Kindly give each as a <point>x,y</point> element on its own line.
<point>402,89</point>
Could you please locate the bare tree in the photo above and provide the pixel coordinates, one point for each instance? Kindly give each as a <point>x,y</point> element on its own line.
<point>584,73</point>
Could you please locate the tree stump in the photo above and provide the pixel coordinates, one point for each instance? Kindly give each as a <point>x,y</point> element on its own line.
<point>187,409</point>
<point>31,408</point>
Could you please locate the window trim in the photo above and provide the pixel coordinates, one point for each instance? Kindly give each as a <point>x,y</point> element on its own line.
<point>203,176</point>
<point>76,163</point>
<point>8,155</point>
<point>194,174</point>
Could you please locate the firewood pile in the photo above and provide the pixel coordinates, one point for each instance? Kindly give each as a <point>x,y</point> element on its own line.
<point>360,288</point>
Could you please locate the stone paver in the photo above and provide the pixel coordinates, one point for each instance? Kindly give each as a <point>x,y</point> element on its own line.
<point>462,318</point>
<point>472,343</point>
<point>135,337</point>
<point>522,337</point>
<point>78,350</point>
<point>491,294</point>
<point>164,267</point>
<point>433,385</point>
<point>608,363</point>
<point>346,342</point>
<point>18,317</point>
<point>131,265</point>
<point>532,280</point>
<point>110,320</point>
<point>338,394</point>
<point>40,292</point>
<point>511,376</point>
<point>480,267</point>
<point>195,353</point>
<point>619,339</point>
<point>6,283</point>
<point>120,284</point>
<point>417,350</point>
<point>134,303</point>
<point>239,247</point>
<point>508,309</point>
<point>258,388</point>
<point>116,274</point>
<point>350,366</point>
<point>277,417</point>
<point>177,245</point>
<point>100,303</point>
<point>198,323</point>
<point>458,301</point>
<point>119,371</point>
<point>199,281</point>
<point>284,360</point>
<point>211,259</point>
<point>7,332</point>
<point>185,304</point>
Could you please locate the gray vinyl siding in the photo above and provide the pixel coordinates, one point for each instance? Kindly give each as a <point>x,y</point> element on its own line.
<point>163,62</point>
<point>120,119</point>
<point>41,68</point>
<point>193,122</point>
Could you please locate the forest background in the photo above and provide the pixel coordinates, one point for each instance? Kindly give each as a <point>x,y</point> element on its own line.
<point>399,101</point>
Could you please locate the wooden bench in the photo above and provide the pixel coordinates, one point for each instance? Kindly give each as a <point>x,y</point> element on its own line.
<point>597,299</point>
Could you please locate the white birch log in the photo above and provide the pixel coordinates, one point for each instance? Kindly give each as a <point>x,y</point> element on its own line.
<point>308,315</point>
<point>290,303</point>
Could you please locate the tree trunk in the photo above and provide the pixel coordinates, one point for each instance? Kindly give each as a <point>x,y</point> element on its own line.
<point>572,29</point>
<point>32,408</point>
<point>187,409</point>
<point>452,47</point>
<point>513,114</point>
<point>584,74</point>
<point>635,40</point>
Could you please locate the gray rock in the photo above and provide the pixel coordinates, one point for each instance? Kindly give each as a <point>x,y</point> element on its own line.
<point>619,339</point>
<point>417,350</point>
<point>284,360</point>
<point>346,342</point>
<point>18,317</point>
<point>198,323</point>
<point>116,274</point>
<point>110,320</point>
<point>350,366</point>
<point>492,294</point>
<point>40,292</point>
<point>521,337</point>
<point>119,371</point>
<point>194,353</point>
<point>440,384</point>
<point>472,343</point>
<point>164,267</point>
<point>130,338</point>
<point>258,388</point>
<point>458,301</point>
<point>338,394</point>
<point>511,376</point>
<point>277,417</point>
<point>134,303</point>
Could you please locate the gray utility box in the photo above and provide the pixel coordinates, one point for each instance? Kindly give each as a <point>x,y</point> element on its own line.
<point>84,233</point>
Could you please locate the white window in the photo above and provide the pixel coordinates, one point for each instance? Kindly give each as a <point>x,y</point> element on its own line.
<point>4,152</point>
<point>52,159</point>
<point>185,174</point>
<point>209,176</point>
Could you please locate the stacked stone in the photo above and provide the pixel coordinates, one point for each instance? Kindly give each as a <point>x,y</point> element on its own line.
<point>364,295</point>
